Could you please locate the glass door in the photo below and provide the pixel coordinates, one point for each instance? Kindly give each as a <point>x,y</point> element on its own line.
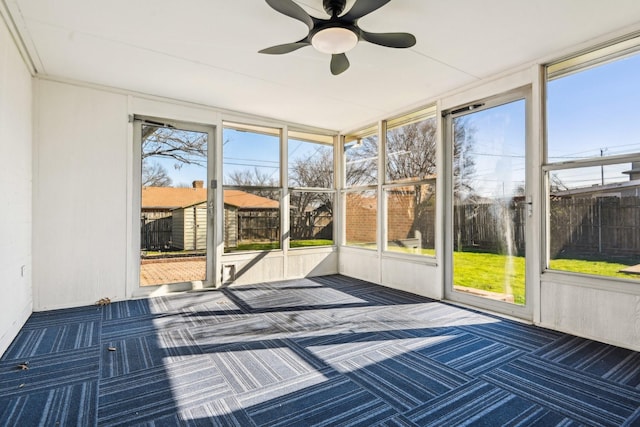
<point>176,207</point>
<point>490,204</point>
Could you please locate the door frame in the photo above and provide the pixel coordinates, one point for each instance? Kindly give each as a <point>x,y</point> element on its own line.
<point>524,312</point>
<point>136,202</point>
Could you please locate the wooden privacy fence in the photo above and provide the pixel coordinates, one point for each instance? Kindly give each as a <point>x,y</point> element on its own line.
<point>155,234</point>
<point>609,225</point>
<point>604,225</point>
<point>489,226</point>
<point>260,225</point>
<point>312,225</point>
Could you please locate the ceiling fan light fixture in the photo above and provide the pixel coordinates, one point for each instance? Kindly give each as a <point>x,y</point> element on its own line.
<point>334,40</point>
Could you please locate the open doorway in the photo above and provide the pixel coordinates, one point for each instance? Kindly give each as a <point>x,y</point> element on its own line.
<point>176,207</point>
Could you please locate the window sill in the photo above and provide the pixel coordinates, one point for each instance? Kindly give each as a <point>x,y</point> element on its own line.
<point>603,283</point>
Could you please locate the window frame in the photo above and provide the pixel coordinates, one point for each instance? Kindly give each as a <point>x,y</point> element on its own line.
<point>346,188</point>
<point>322,140</point>
<point>388,184</point>
<point>269,130</point>
<point>600,55</point>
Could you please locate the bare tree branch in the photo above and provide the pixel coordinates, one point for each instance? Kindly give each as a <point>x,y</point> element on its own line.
<point>185,147</point>
<point>154,175</point>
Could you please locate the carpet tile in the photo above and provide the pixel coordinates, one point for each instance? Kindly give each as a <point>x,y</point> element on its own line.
<point>470,354</point>
<point>250,367</point>
<point>49,371</point>
<point>514,334</point>
<point>403,381</point>
<point>325,351</point>
<point>482,404</point>
<point>71,405</point>
<point>34,341</point>
<point>127,309</point>
<point>583,397</point>
<point>607,361</point>
<point>153,393</point>
<point>335,401</point>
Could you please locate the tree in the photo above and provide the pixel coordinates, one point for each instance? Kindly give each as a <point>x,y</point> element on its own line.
<point>154,175</point>
<point>253,178</point>
<point>248,177</point>
<point>411,151</point>
<point>463,171</point>
<point>313,171</point>
<point>463,161</point>
<point>161,142</point>
<point>411,156</point>
<point>361,160</point>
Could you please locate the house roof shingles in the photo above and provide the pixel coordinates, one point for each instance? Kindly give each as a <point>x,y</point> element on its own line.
<point>242,199</point>
<point>173,198</point>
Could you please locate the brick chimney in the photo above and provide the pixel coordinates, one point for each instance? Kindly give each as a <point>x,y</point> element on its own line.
<point>198,184</point>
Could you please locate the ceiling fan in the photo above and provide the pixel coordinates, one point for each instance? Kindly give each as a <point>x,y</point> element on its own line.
<point>338,34</point>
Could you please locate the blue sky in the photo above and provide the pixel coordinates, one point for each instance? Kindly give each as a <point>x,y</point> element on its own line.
<point>595,109</point>
<point>498,149</point>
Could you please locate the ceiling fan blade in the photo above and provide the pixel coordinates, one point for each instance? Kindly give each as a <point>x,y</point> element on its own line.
<point>398,40</point>
<point>284,48</point>
<point>291,9</point>
<point>339,63</point>
<point>363,7</point>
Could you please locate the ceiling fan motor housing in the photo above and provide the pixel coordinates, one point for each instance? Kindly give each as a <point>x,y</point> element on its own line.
<point>334,7</point>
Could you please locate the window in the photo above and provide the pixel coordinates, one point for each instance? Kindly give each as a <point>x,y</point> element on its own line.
<point>251,185</point>
<point>361,158</point>
<point>361,218</point>
<point>593,162</point>
<point>361,193</point>
<point>311,185</point>
<point>410,188</point>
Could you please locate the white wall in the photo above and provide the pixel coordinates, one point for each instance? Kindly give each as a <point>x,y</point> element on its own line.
<point>256,267</point>
<point>80,197</point>
<point>418,275</point>
<point>15,188</point>
<point>603,310</point>
<point>412,276</point>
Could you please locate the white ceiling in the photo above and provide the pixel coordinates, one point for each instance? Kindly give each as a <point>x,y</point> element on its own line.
<point>205,51</point>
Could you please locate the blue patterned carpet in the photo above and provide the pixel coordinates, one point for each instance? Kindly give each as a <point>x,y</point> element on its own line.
<point>322,351</point>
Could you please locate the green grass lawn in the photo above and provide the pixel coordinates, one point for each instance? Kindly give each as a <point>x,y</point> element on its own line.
<point>309,243</point>
<point>486,271</point>
<point>597,267</point>
<point>269,246</point>
<point>490,272</point>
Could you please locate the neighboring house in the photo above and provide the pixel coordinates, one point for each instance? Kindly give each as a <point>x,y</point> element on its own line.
<point>249,217</point>
<point>158,202</point>
<point>618,189</point>
<point>176,217</point>
<point>157,216</point>
<point>189,227</point>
